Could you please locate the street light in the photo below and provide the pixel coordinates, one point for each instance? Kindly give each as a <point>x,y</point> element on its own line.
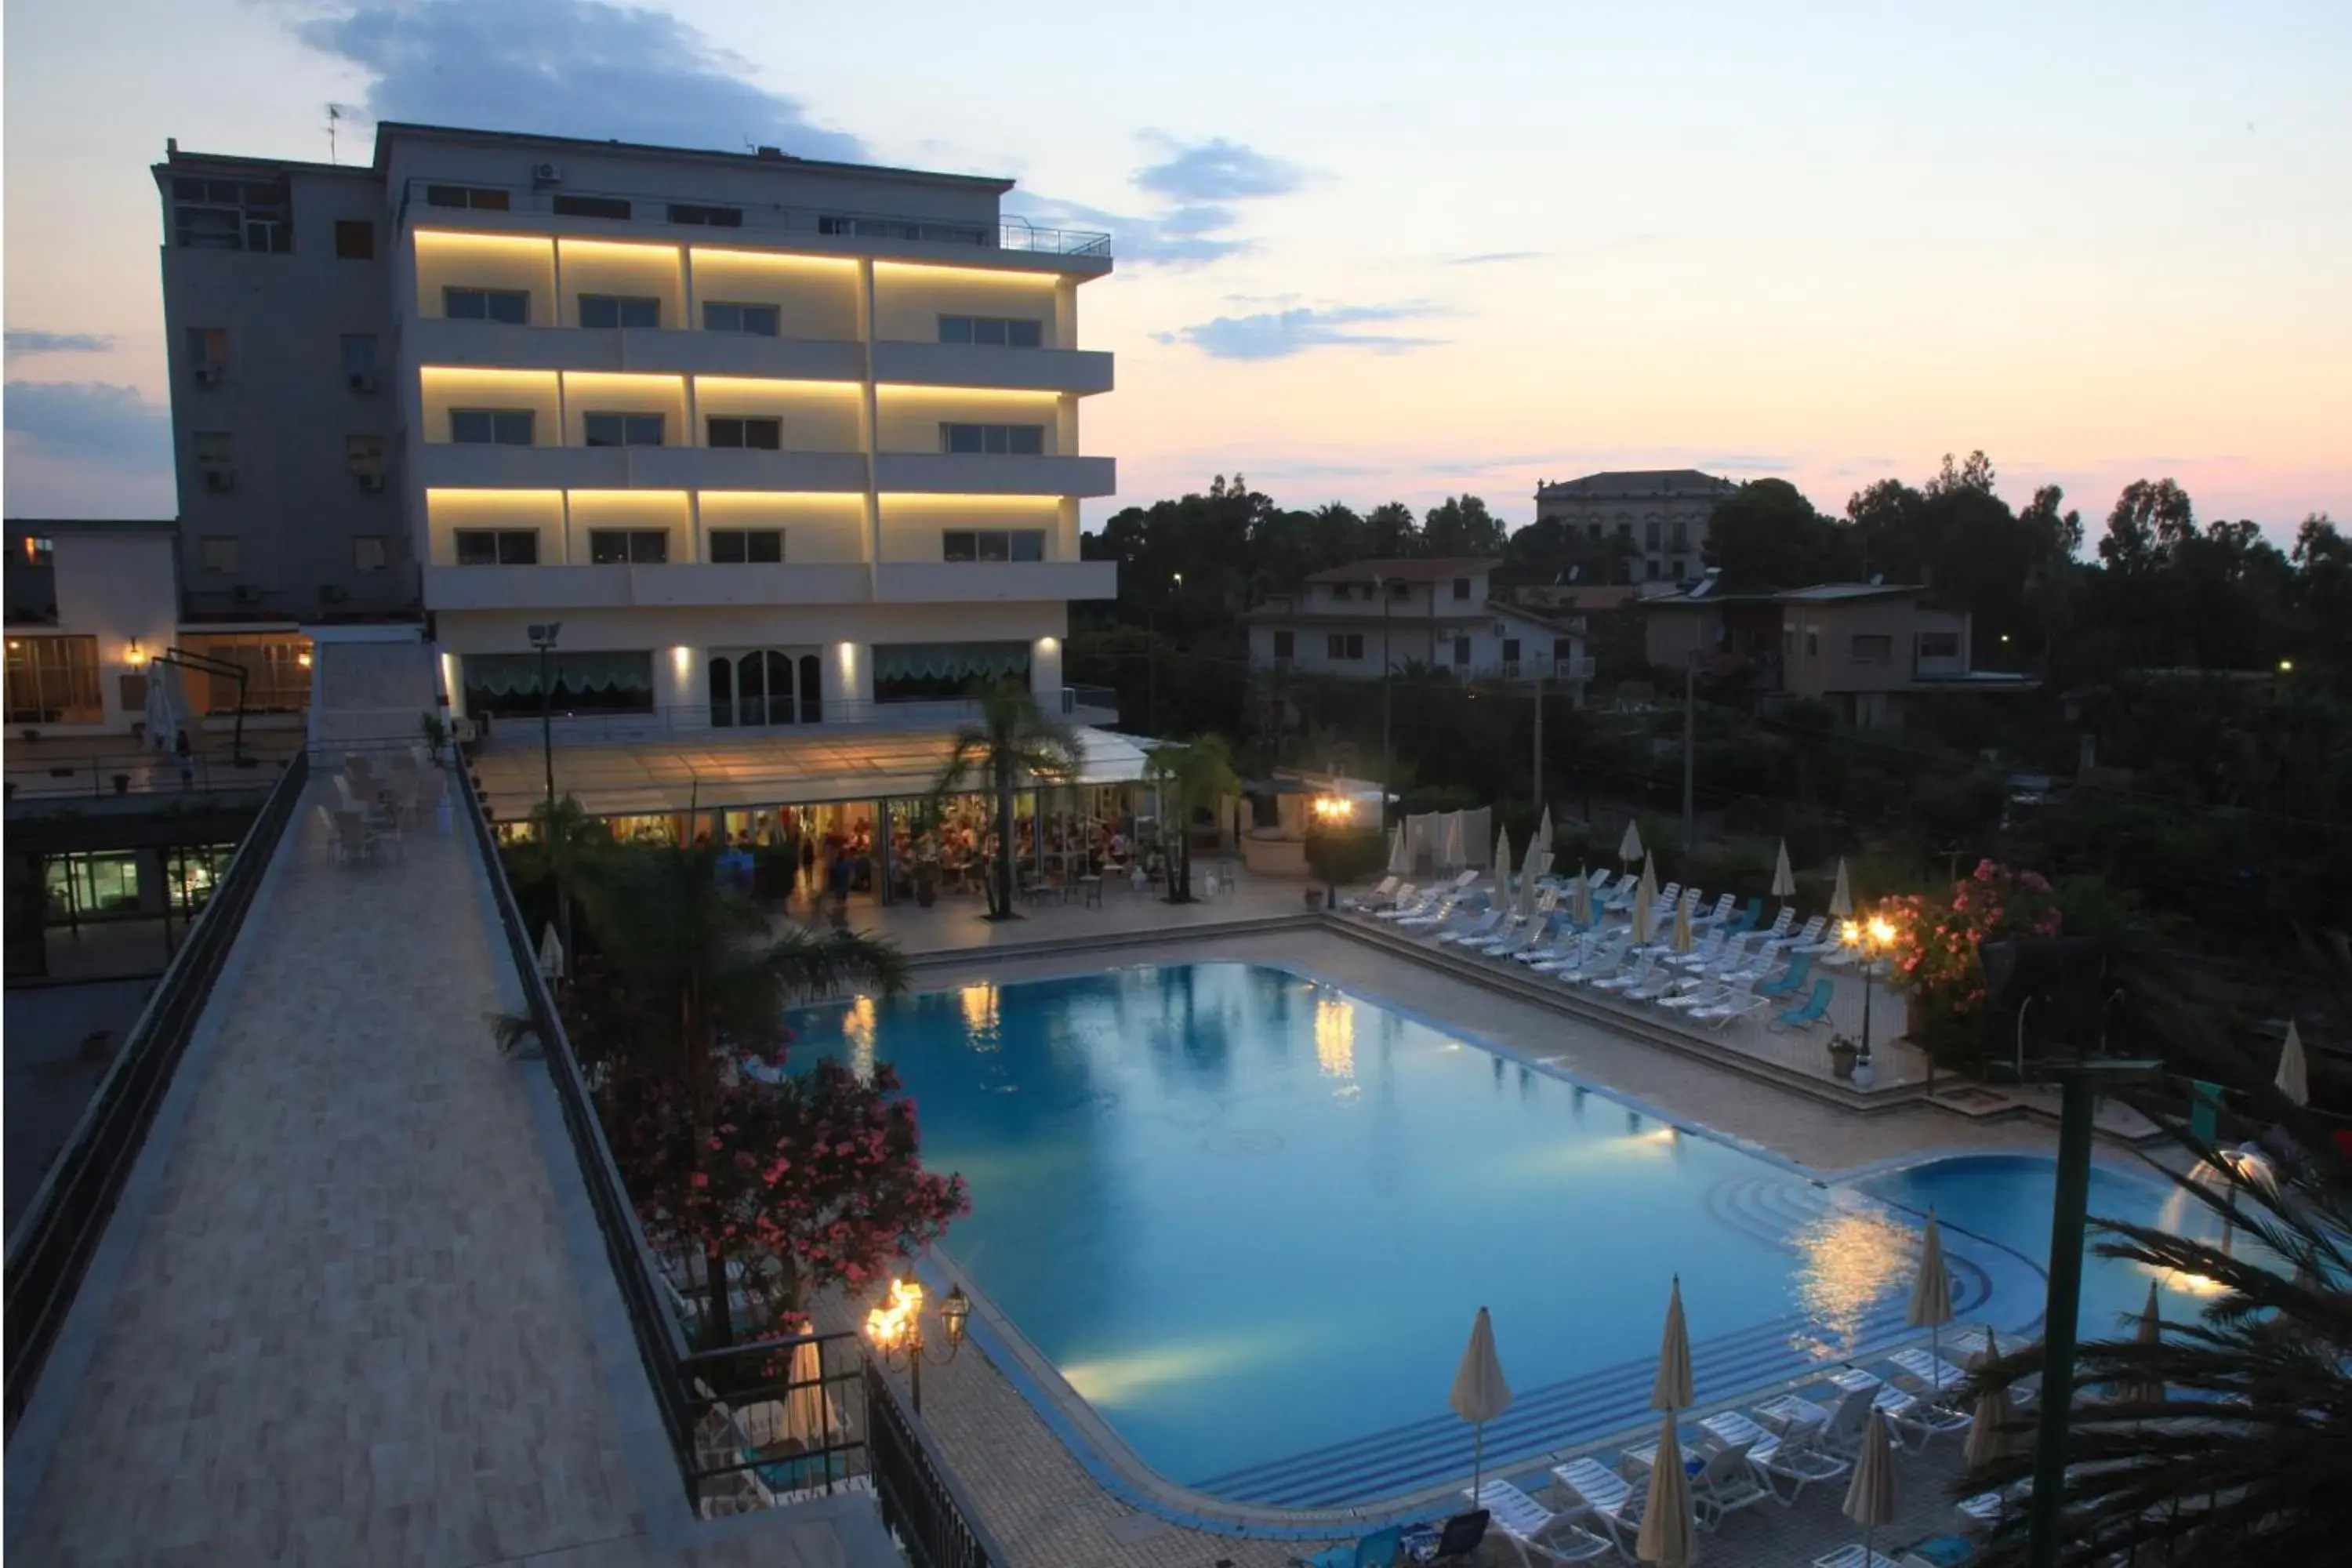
<point>1332,811</point>
<point>1870,937</point>
<point>897,1331</point>
<point>543,636</point>
<point>1152,655</point>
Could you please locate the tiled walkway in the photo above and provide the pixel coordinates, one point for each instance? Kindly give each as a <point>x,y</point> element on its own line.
<point>349,1330</point>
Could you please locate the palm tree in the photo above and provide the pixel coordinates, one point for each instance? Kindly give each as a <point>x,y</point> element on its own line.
<point>694,969</point>
<point>564,849</point>
<point>1196,775</point>
<point>1012,740</point>
<point>2228,1438</point>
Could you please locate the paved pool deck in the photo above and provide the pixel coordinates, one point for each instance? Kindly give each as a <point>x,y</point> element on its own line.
<point>352,1308</point>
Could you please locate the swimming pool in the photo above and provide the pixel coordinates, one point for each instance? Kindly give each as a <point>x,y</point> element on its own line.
<point>1248,1217</point>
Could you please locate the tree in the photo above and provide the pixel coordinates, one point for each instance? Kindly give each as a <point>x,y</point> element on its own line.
<point>1767,534</point>
<point>689,972</point>
<point>1013,741</point>
<point>1390,530</point>
<point>1196,776</point>
<point>564,846</point>
<point>1461,525</point>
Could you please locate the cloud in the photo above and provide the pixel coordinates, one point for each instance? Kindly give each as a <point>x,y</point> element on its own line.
<point>92,419</point>
<point>1494,258</point>
<point>564,67</point>
<point>30,340</point>
<point>1217,171</point>
<point>86,448</point>
<point>1276,334</point>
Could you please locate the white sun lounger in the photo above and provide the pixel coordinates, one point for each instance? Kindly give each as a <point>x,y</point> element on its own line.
<point>1609,1495</point>
<point>1790,1460</point>
<point>1535,1531</point>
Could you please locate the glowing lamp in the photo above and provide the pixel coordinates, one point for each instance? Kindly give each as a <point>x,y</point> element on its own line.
<point>953,1314</point>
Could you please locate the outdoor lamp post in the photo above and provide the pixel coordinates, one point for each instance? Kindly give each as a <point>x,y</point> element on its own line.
<point>543,636</point>
<point>1870,937</point>
<point>897,1331</point>
<point>1332,811</point>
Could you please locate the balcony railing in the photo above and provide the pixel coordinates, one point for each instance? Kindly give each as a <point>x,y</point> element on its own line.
<point>764,218</point>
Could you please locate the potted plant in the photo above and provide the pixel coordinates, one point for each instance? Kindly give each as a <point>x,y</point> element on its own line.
<point>122,783</point>
<point>1844,1049</point>
<point>436,734</point>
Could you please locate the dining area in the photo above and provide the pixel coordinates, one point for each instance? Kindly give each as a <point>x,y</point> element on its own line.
<point>378,798</point>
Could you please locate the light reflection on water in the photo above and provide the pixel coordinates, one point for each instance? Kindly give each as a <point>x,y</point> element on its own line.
<point>983,1016</point>
<point>857,1027</point>
<point>1335,1035</point>
<point>1848,1260</point>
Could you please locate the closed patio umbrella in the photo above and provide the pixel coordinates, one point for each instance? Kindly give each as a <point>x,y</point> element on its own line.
<point>550,954</point>
<point>2293,1074</point>
<point>1645,894</point>
<point>1987,1439</point>
<point>1530,869</point>
<point>1869,1497</point>
<point>1784,880</point>
<point>1583,911</point>
<point>1543,830</point>
<point>1502,863</point>
<point>1451,852</point>
<point>1628,848</point>
<point>1682,925</point>
<point>1479,1392</point>
<point>1931,1292</point>
<point>1672,1391</point>
<point>1400,857</point>
<point>1666,1536</point>
<point>2151,1335</point>
<point>1842,895</point>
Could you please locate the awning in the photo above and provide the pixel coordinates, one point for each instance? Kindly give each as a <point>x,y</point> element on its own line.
<point>735,772</point>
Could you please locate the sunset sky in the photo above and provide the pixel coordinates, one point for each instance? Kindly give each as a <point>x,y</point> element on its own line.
<point>1383,251</point>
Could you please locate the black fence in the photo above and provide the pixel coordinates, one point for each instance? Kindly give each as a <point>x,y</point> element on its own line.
<point>757,1425</point>
<point>52,1247</point>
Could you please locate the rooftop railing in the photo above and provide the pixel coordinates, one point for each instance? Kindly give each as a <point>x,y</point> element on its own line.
<point>716,219</point>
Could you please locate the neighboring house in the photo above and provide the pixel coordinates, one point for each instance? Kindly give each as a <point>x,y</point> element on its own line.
<point>1354,622</point>
<point>779,442</point>
<point>1663,513</point>
<point>1863,647</point>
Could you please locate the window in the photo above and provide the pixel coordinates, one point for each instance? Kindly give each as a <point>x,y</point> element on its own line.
<point>747,546</point>
<point>628,546</point>
<point>1625,530</point>
<point>591,206</point>
<point>756,687</point>
<point>491,426</point>
<point>1873,647</point>
<point>207,351</point>
<point>619,311</point>
<point>1286,645</point>
<point>1813,643</point>
<point>1343,644</point>
<point>371,553</point>
<point>364,454</point>
<point>1939,645</point>
<point>511,305</point>
<point>277,672</point>
<point>900,228</point>
<point>1019,440</point>
<point>40,550</point>
<point>216,460</point>
<point>706,216</point>
<point>622,429</point>
<point>993,332</point>
<point>762,435</point>
<point>1462,650</point>
<point>1650,567</point>
<point>218,551</point>
<point>1650,535</point>
<point>1681,534</point>
<point>359,360</point>
<point>759,320</point>
<point>579,682</point>
<point>478,197</point>
<point>994,544</point>
<point>355,239</point>
<point>1399,593</point>
<point>1461,589</point>
<point>923,671</point>
<point>497,547</point>
<point>90,883</point>
<point>191,872</point>
<point>231,215</point>
<point>53,681</point>
<point>1510,650</point>
<point>1563,650</point>
<point>1680,568</point>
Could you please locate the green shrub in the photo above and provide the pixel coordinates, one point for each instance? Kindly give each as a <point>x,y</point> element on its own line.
<point>1346,855</point>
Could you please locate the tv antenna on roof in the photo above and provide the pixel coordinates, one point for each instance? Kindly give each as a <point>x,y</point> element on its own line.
<point>334,114</point>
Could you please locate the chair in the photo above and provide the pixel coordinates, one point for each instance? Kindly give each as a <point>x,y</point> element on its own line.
<point>1377,898</point>
<point>1406,898</point>
<point>1941,1376</point>
<point>1724,1485</point>
<point>354,837</point>
<point>1739,1000</point>
<point>1381,1549</point>
<point>1798,941</point>
<point>1715,916</point>
<point>1462,1536</point>
<point>1701,994</point>
<point>362,770</point>
<point>1609,1495</point>
<point>1815,1009</point>
<point>1748,917</point>
<point>1626,980</point>
<point>1661,981</point>
<point>1799,969</point>
<point>1708,950</point>
<point>1482,926</point>
<point>1533,1529</point>
<point>1777,1458</point>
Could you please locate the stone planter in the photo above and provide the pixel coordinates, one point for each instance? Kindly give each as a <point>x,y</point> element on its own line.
<point>1841,1060</point>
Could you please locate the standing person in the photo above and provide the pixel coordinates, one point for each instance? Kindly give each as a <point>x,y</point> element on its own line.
<point>808,867</point>
<point>181,748</point>
<point>839,875</point>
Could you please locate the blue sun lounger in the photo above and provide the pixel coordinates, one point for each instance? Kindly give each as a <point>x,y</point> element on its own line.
<point>1816,1008</point>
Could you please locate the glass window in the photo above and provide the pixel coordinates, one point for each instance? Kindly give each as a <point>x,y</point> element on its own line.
<point>1510,650</point>
<point>993,332</point>
<point>277,672</point>
<point>591,206</point>
<point>207,349</point>
<point>993,544</point>
<point>478,197</point>
<point>359,353</point>
<point>369,553</point>
<point>231,215</point>
<point>363,455</point>
<point>960,545</point>
<point>955,329</point>
<point>191,872</point>
<point>752,546</point>
<point>764,435</point>
<point>218,551</point>
<point>628,546</point>
<point>622,429</point>
<point>1462,650</point>
<point>706,216</point>
<point>491,426</point>
<point>619,311</point>
<point>1018,440</point>
<point>1285,645</point>
<point>497,547</point>
<point>53,681</point>
<point>1461,587</point>
<point>1028,544</point>
<point>355,239</point>
<point>86,884</point>
<point>926,671</point>
<point>759,320</point>
<point>40,550</point>
<point>510,306</point>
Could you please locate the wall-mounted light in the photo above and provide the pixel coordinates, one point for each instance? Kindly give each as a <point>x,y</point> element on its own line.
<point>303,659</point>
<point>135,655</point>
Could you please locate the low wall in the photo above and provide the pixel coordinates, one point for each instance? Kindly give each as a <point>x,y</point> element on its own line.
<point>1265,853</point>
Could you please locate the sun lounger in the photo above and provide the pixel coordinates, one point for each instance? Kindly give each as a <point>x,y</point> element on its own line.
<point>1915,1422</point>
<point>1409,898</point>
<point>1626,979</point>
<point>1749,916</point>
<point>1778,1460</point>
<point>1701,994</point>
<point>1815,1009</point>
<point>1854,1554</point>
<point>1799,969</point>
<point>1538,1533</point>
<point>1737,1001</point>
<point>1701,957</point>
<point>1724,1486</point>
<point>1941,1376</point>
<point>1381,1549</point>
<point>1716,915</point>
<point>1477,926</point>
<point>1378,897</point>
<point>1611,1499</point>
<point>1661,981</point>
<point>1435,914</point>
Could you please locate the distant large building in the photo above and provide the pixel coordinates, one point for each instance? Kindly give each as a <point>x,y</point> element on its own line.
<point>1662,512</point>
<point>1360,621</point>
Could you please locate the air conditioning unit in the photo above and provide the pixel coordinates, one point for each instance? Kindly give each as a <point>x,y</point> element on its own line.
<point>247,595</point>
<point>331,594</point>
<point>208,376</point>
<point>220,481</point>
<point>373,484</point>
<point>362,380</point>
<point>547,174</point>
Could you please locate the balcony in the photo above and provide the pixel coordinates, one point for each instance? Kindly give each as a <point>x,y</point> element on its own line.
<point>956,473</point>
<point>991,581</point>
<point>680,585</point>
<point>436,341</point>
<point>1080,371</point>
<point>444,465</point>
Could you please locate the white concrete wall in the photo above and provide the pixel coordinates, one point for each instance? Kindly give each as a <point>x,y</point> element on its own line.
<point>118,588</point>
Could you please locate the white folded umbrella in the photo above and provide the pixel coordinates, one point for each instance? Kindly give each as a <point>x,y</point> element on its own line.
<point>1543,830</point>
<point>1502,862</point>
<point>1784,880</point>
<point>1931,1290</point>
<point>1480,1393</point>
<point>1987,1437</point>
<point>2293,1073</point>
<point>1842,895</point>
<point>1869,1497</point>
<point>1671,1390</point>
<point>1666,1537</point>
<point>1628,848</point>
<point>1400,857</point>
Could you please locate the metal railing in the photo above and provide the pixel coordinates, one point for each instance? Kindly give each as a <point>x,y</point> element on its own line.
<point>840,1441</point>
<point>1005,233</point>
<point>135,772</point>
<point>52,1247</point>
<point>749,717</point>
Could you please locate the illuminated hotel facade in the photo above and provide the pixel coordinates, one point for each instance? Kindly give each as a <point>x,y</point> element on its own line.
<point>779,443</point>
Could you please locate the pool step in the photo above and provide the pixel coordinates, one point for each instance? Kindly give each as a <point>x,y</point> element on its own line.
<point>1064,943</point>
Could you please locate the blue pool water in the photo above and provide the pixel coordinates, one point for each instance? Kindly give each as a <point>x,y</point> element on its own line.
<point>1249,1218</point>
